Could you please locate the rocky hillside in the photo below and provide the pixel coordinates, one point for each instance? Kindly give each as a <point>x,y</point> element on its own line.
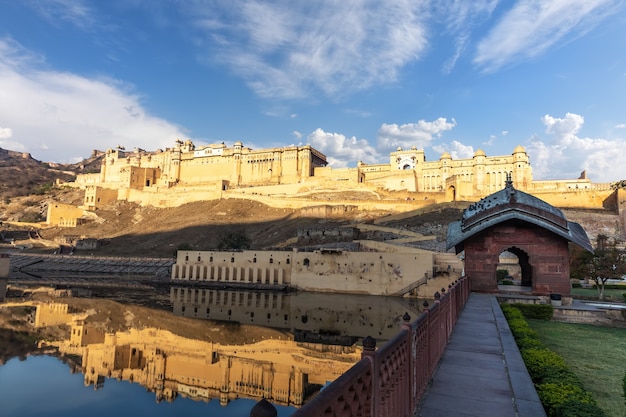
<point>27,186</point>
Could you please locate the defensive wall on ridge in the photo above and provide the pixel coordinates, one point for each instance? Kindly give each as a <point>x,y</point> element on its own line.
<point>299,178</point>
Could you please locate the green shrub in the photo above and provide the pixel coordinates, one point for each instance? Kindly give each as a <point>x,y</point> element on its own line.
<point>559,389</point>
<point>624,387</point>
<point>501,274</point>
<point>543,364</point>
<point>578,409</point>
<point>554,395</point>
<point>536,311</point>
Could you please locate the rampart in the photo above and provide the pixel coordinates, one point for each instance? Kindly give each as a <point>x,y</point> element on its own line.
<point>298,177</point>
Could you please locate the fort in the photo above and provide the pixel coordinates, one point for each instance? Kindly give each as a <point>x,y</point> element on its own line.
<point>299,177</point>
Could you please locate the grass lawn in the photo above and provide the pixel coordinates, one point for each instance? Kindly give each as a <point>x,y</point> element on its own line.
<point>610,294</point>
<point>597,355</point>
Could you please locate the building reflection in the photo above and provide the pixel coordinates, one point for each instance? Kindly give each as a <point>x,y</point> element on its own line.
<point>337,319</point>
<point>282,370</point>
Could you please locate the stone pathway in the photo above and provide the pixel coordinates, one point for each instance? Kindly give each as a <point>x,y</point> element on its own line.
<point>481,372</point>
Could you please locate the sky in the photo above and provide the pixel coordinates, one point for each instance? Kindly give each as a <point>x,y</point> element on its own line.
<point>355,79</point>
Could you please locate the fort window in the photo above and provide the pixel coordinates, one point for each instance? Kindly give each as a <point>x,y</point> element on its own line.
<point>186,257</point>
<point>211,259</point>
<point>288,261</point>
<point>254,260</point>
<point>306,262</point>
<point>271,260</point>
<point>199,258</point>
<point>232,259</point>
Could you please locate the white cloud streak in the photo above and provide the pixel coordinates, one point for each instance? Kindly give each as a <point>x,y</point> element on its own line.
<point>531,27</point>
<point>62,117</point>
<point>290,50</point>
<point>59,12</point>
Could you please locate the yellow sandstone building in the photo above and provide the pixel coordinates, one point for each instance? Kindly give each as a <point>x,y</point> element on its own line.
<point>297,177</point>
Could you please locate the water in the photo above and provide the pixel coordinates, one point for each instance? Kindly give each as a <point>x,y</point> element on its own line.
<point>44,386</point>
<point>228,350</point>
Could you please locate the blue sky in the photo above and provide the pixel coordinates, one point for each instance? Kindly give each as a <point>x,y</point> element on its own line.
<point>354,79</point>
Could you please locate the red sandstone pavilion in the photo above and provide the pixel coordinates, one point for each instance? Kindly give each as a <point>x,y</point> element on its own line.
<point>511,220</point>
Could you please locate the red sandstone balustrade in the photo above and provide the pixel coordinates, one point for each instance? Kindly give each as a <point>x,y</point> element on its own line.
<point>390,381</point>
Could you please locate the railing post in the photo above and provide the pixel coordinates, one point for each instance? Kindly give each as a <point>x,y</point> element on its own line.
<point>412,368</point>
<point>369,352</point>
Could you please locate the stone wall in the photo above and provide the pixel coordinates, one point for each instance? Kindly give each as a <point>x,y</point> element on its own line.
<point>296,177</point>
<point>547,268</point>
<point>326,270</point>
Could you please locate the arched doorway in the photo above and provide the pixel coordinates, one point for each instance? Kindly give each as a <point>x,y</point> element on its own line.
<point>515,261</point>
<point>451,194</point>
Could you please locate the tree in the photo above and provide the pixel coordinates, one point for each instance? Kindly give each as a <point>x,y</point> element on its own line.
<point>234,241</point>
<point>608,262</point>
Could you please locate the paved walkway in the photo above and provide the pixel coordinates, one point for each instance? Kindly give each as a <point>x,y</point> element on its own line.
<point>481,372</point>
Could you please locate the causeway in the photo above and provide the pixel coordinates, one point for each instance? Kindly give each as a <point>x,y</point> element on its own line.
<point>481,372</point>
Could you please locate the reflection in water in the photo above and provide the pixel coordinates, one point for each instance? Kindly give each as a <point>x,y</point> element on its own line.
<point>177,358</point>
<point>42,386</point>
<point>339,319</point>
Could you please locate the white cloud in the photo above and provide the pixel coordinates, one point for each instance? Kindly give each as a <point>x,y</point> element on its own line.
<point>420,134</point>
<point>68,115</point>
<point>342,151</point>
<point>5,133</point>
<point>567,154</point>
<point>531,27</point>
<point>297,134</point>
<point>461,17</point>
<point>621,126</point>
<point>456,149</point>
<point>59,12</point>
<point>288,49</point>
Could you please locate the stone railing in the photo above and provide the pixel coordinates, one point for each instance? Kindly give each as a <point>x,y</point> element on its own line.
<point>390,381</point>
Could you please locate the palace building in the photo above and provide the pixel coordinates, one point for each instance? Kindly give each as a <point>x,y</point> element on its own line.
<point>287,177</point>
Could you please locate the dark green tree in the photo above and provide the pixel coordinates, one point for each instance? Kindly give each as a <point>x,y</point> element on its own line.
<point>234,241</point>
<point>608,262</point>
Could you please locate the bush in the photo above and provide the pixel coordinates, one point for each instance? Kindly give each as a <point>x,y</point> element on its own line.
<point>536,311</point>
<point>545,365</point>
<point>554,395</point>
<point>501,274</point>
<point>577,409</point>
<point>559,389</point>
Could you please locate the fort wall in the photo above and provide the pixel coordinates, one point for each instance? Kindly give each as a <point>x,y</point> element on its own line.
<point>325,270</point>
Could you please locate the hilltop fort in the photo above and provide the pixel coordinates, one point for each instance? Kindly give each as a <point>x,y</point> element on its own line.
<point>299,177</point>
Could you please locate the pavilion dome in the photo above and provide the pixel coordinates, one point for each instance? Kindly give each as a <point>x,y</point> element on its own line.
<point>510,204</point>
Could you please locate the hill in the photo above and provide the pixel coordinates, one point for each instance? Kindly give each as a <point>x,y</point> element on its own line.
<point>28,186</point>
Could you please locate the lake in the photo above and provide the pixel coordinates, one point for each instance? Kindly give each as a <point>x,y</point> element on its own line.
<point>210,352</point>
